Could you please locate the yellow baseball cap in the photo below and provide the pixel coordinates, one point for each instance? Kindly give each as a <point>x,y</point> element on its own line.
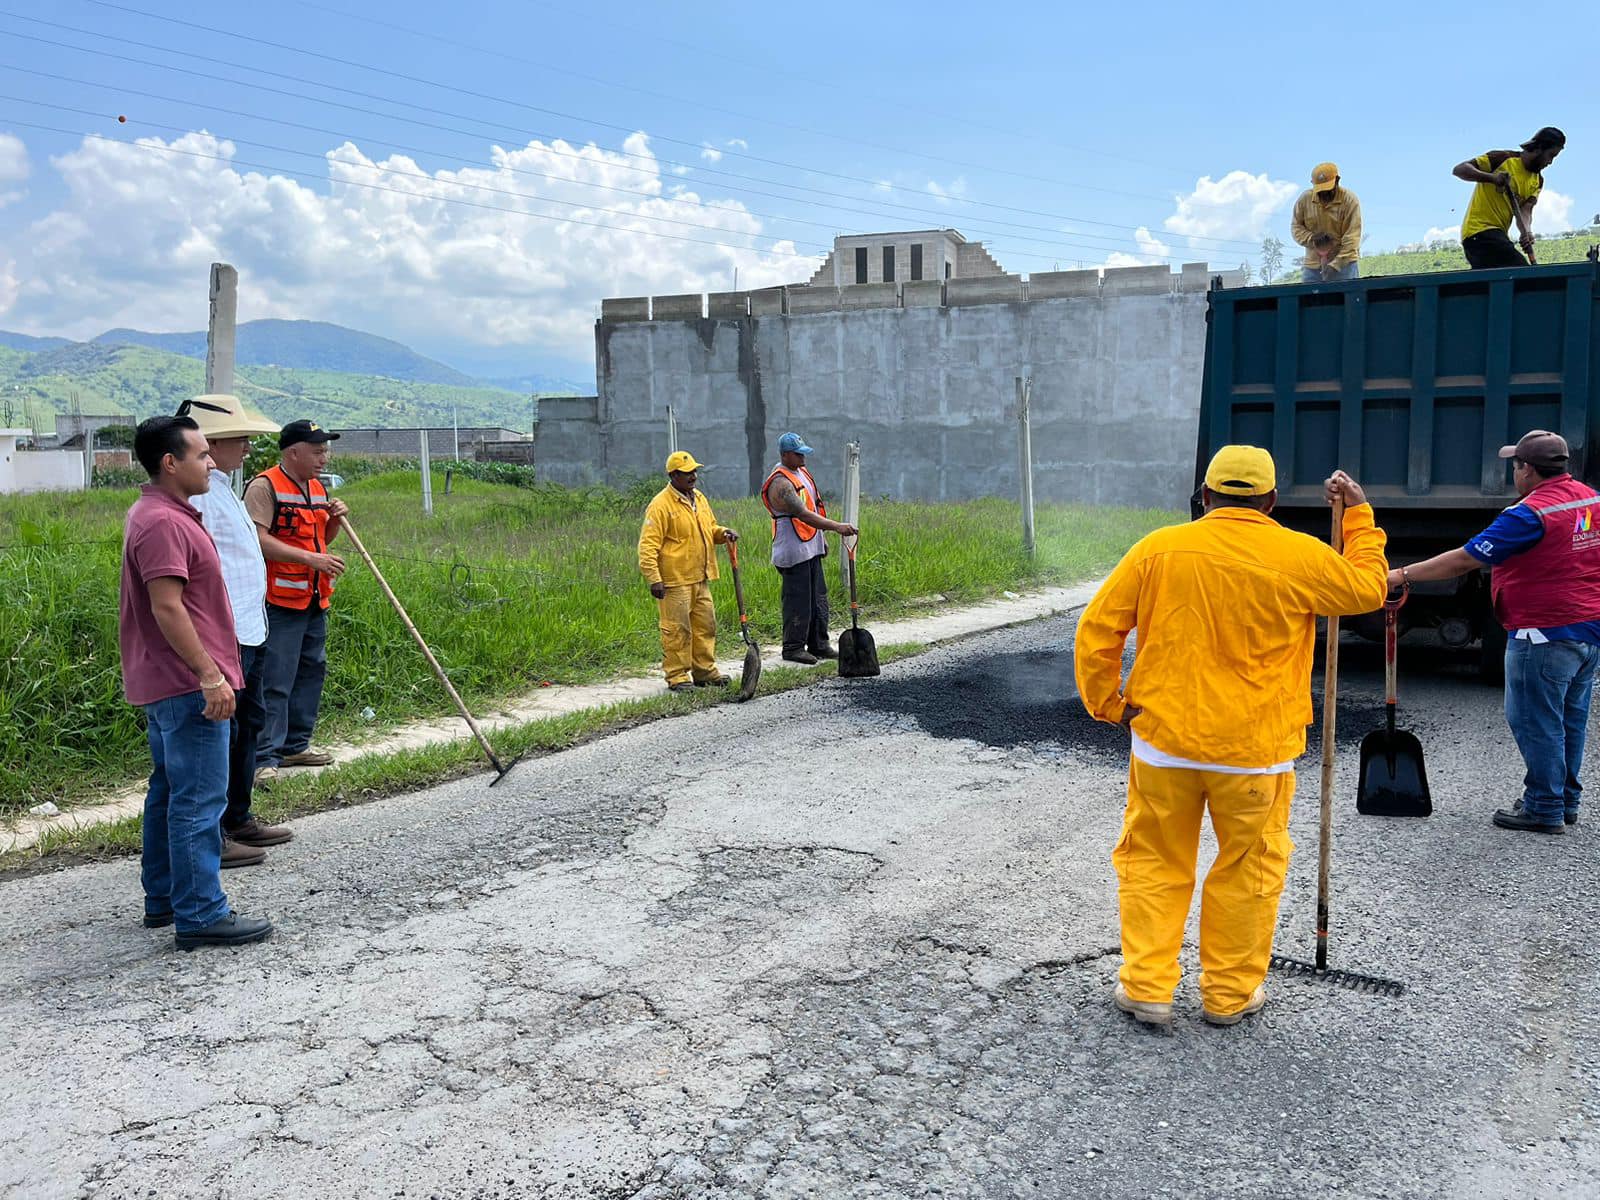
<point>681,460</point>
<point>1241,471</point>
<point>1325,178</point>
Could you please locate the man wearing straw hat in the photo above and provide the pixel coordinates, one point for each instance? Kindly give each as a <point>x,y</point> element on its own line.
<point>1217,705</point>
<point>228,429</point>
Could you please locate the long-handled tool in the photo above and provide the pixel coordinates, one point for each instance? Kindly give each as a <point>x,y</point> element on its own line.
<point>858,652</point>
<point>752,653</point>
<point>1330,706</point>
<point>483,742</point>
<point>1522,219</point>
<point>1394,781</point>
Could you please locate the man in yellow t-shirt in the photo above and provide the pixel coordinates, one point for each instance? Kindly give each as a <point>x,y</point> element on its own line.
<point>1499,175</point>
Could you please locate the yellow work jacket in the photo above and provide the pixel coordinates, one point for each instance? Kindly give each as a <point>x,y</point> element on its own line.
<point>1340,216</point>
<point>675,544</point>
<point>1226,610</point>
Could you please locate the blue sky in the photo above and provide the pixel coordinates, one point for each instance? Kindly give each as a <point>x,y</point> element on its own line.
<point>750,134</point>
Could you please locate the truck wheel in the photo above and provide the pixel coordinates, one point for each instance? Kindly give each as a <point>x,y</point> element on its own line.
<point>1492,655</point>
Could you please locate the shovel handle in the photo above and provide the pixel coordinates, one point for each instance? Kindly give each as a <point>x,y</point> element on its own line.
<point>1330,713</point>
<point>738,589</point>
<point>850,553</point>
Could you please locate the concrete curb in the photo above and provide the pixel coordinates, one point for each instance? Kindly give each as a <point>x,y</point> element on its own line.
<point>1011,609</point>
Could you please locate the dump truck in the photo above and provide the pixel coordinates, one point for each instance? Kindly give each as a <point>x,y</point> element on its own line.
<point>1411,383</point>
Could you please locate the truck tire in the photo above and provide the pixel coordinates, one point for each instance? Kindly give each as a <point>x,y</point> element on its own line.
<point>1492,654</point>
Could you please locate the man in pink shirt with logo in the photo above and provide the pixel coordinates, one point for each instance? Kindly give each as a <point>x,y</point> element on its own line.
<point>180,663</point>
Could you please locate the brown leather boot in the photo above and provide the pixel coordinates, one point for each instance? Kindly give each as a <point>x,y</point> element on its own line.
<point>254,833</point>
<point>235,855</point>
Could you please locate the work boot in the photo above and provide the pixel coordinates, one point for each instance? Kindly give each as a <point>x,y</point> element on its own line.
<point>254,833</point>
<point>158,920</point>
<point>800,656</point>
<point>1147,1012</point>
<point>682,686</point>
<point>1518,818</point>
<point>825,651</point>
<point>231,930</point>
<point>236,855</point>
<point>306,758</point>
<point>265,778</point>
<point>717,680</point>
<point>1569,817</point>
<point>1252,1005</point>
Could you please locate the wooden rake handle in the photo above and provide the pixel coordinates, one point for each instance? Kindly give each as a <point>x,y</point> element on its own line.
<point>1330,714</point>
<point>438,671</point>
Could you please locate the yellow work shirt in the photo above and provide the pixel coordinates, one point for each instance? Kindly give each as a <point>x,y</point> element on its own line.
<point>1340,216</point>
<point>1226,608</point>
<point>1490,207</point>
<point>677,539</point>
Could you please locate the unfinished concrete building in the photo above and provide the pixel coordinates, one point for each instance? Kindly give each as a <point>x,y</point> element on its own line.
<point>910,256</point>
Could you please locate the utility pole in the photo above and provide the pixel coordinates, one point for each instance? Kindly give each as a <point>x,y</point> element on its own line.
<point>1025,449</point>
<point>455,430</point>
<point>221,340</point>
<point>427,473</point>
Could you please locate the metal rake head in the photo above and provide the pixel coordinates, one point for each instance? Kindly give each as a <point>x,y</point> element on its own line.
<point>1372,985</point>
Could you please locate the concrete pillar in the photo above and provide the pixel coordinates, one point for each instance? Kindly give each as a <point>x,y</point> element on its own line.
<point>223,330</point>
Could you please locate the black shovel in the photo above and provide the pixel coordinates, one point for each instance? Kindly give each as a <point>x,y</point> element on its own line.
<point>1394,782</point>
<point>858,653</point>
<point>751,675</point>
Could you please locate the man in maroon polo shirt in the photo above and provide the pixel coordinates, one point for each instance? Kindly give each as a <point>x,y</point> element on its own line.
<point>180,663</point>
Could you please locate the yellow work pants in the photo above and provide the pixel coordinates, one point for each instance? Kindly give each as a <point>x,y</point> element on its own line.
<point>688,633</point>
<point>1155,864</point>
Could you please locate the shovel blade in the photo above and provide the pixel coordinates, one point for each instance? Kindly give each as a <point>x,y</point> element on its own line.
<point>1394,781</point>
<point>752,672</point>
<point>858,654</point>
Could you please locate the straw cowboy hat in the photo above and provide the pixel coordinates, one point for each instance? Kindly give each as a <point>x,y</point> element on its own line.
<point>220,415</point>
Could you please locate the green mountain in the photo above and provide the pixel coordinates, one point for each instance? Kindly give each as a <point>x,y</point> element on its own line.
<point>307,345</point>
<point>100,377</point>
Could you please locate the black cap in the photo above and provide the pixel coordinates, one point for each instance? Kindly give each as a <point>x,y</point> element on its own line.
<point>304,431</point>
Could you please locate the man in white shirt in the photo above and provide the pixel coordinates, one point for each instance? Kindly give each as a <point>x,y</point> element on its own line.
<point>228,429</point>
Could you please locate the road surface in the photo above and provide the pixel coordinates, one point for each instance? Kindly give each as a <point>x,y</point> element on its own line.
<point>856,940</point>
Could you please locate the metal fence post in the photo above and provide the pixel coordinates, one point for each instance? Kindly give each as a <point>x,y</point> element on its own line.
<point>672,431</point>
<point>427,473</point>
<point>852,501</point>
<point>1025,450</point>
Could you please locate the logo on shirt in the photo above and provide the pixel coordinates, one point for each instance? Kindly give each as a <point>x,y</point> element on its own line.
<point>1585,521</point>
<point>1584,535</point>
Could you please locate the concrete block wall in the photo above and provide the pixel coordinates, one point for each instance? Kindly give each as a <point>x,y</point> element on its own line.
<point>677,308</point>
<point>993,289</point>
<point>927,390</point>
<point>630,308</point>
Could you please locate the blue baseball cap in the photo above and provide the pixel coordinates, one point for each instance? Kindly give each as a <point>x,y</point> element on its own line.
<point>790,443</point>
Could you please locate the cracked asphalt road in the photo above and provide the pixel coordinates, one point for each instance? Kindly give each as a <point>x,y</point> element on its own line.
<point>852,941</point>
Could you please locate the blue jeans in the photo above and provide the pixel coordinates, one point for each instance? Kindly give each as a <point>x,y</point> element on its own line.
<point>182,862</point>
<point>295,662</point>
<point>1548,687</point>
<point>1314,274</point>
<point>244,733</point>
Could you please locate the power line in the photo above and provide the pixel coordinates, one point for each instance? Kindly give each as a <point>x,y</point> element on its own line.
<point>595,79</point>
<point>1113,245</point>
<point>697,146</point>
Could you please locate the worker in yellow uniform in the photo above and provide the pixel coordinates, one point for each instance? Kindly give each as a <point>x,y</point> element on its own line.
<point>1327,222</point>
<point>678,559</point>
<point>1501,175</point>
<point>1217,703</point>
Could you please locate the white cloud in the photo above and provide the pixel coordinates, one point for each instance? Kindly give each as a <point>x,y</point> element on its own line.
<point>946,192</point>
<point>14,167</point>
<point>1239,206</point>
<point>133,240</point>
<point>1437,233</point>
<point>1553,213</point>
<point>710,153</point>
<point>883,185</point>
<point>1151,250</point>
<point>738,144</point>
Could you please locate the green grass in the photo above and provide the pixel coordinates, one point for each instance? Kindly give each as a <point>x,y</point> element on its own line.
<point>512,587</point>
<point>373,777</point>
<point>1570,248</point>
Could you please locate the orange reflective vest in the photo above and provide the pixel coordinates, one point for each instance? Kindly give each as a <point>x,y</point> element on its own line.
<point>801,530</point>
<point>299,518</point>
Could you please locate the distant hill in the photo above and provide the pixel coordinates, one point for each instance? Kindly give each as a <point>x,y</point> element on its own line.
<point>305,345</point>
<point>23,341</point>
<point>104,377</point>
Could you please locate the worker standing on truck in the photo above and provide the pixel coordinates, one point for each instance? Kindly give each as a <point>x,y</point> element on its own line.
<point>1217,704</point>
<point>1544,560</point>
<point>678,560</point>
<point>1327,208</point>
<point>1500,175</point>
